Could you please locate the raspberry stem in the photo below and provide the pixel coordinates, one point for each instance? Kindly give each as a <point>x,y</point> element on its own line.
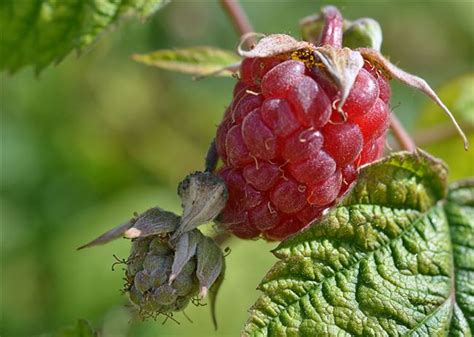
<point>333,27</point>
<point>401,135</point>
<point>211,157</point>
<point>239,18</point>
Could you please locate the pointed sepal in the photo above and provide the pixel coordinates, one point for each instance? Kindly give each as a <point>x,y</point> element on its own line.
<point>203,196</point>
<point>342,65</point>
<point>185,249</point>
<point>110,235</point>
<point>210,261</point>
<point>213,292</point>
<point>154,221</point>
<point>272,45</point>
<point>413,81</point>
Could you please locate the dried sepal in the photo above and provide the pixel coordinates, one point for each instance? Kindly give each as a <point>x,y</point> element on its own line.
<point>274,44</point>
<point>185,249</point>
<point>343,64</point>
<point>411,80</point>
<point>214,291</point>
<point>110,235</point>
<point>153,222</point>
<point>203,196</point>
<point>209,264</point>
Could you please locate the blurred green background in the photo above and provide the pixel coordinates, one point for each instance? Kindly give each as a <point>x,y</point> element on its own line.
<point>93,140</point>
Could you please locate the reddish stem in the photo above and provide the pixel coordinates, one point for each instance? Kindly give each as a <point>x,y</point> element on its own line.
<point>401,135</point>
<point>238,17</point>
<point>333,27</point>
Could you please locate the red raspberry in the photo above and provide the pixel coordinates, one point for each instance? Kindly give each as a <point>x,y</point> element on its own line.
<point>287,153</point>
<point>284,161</point>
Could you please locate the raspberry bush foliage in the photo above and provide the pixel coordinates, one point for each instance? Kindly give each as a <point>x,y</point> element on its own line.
<point>370,245</point>
<point>59,27</point>
<point>394,258</point>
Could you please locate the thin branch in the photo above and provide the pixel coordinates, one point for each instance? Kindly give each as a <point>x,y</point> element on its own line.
<point>239,19</point>
<point>401,135</point>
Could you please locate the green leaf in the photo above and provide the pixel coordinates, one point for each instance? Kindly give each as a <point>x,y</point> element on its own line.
<point>460,212</point>
<point>200,61</point>
<point>379,264</point>
<point>39,32</point>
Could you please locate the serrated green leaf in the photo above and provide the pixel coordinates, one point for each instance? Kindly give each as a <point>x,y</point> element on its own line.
<point>379,264</point>
<point>39,32</point>
<point>200,61</point>
<point>460,212</point>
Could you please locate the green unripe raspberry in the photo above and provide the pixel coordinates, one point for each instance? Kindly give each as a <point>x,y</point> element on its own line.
<point>148,272</point>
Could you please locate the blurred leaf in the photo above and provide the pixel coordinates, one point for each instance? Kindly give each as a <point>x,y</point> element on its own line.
<point>82,329</point>
<point>457,94</point>
<point>44,31</point>
<point>199,60</point>
<point>436,134</point>
<point>382,263</point>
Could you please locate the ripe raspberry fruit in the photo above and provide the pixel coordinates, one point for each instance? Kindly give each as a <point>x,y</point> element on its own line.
<point>288,152</point>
